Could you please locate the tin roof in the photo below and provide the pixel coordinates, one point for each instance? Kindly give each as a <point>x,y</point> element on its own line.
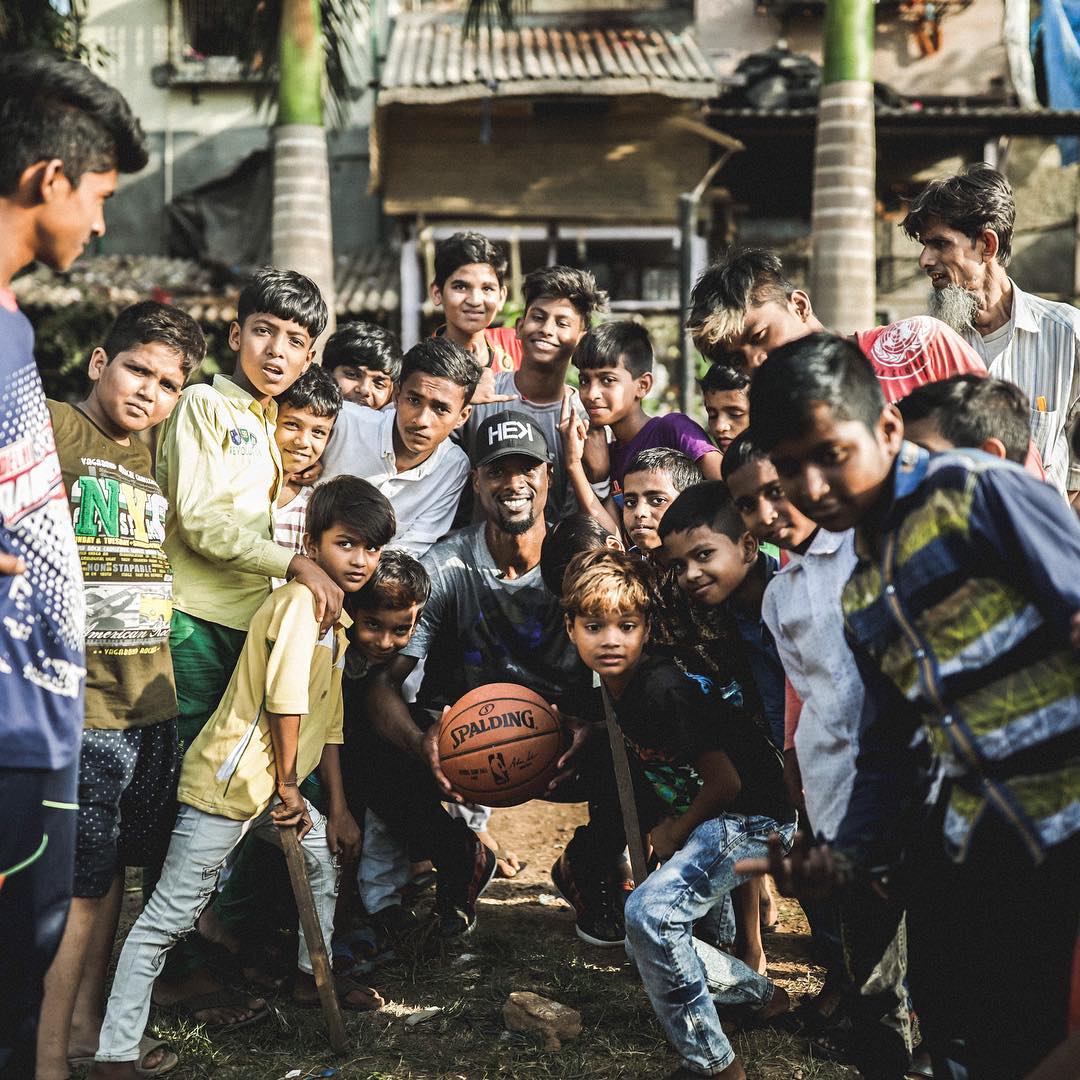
<point>432,62</point>
<point>367,285</point>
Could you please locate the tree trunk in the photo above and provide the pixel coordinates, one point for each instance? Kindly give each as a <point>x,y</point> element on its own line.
<point>842,219</point>
<point>302,235</point>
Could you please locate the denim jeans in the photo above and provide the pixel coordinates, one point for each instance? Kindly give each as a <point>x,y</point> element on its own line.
<point>385,868</point>
<point>37,859</point>
<point>685,978</point>
<point>200,845</point>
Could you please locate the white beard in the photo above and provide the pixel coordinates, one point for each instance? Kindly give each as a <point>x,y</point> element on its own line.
<point>954,306</point>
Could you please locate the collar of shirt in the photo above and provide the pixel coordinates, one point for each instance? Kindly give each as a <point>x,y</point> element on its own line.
<point>824,543</point>
<point>227,388</point>
<point>1023,314</point>
<point>907,474</point>
<point>387,420</point>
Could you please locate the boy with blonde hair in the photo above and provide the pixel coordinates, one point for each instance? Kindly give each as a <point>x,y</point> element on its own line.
<point>717,794</point>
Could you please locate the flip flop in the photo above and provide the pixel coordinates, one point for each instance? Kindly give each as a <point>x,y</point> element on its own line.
<point>147,1046</point>
<point>185,1009</point>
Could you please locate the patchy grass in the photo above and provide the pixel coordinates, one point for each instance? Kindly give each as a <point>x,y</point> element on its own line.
<point>524,940</point>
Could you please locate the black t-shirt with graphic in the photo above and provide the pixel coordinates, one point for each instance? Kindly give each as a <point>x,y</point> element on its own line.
<point>670,716</point>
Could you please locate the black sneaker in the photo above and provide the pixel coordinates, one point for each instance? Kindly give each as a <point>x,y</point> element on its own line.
<point>455,909</point>
<point>596,906</point>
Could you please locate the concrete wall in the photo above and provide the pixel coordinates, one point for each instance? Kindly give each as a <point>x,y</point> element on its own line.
<point>971,60</point>
<point>209,133</point>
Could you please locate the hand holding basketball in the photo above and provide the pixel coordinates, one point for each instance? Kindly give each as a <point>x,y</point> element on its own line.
<point>430,749</point>
<point>498,745</point>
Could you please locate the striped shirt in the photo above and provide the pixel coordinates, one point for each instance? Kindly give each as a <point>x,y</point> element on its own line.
<point>958,615</point>
<point>1042,357</point>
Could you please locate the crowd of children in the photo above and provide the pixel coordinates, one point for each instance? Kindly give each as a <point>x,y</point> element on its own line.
<point>838,631</point>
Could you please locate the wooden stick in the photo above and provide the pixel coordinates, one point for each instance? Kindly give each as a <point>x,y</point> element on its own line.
<point>625,782</point>
<point>309,923</point>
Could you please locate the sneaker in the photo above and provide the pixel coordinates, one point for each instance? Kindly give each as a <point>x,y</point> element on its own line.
<point>597,907</point>
<point>456,914</point>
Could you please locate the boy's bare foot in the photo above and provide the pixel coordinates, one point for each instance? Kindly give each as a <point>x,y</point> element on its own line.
<point>172,994</point>
<point>351,994</point>
<point>778,1003</point>
<point>507,863</point>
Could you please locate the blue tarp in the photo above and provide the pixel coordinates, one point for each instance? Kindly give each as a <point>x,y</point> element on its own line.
<point>1061,58</point>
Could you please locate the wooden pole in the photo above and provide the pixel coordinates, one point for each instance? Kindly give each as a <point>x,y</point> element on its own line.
<point>309,923</point>
<point>625,782</point>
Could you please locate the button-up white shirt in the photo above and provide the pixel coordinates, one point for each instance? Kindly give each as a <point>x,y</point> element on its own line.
<point>1043,358</point>
<point>424,498</point>
<point>802,610</point>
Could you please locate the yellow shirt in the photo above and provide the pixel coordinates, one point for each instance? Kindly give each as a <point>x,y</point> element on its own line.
<point>220,469</point>
<point>284,668</point>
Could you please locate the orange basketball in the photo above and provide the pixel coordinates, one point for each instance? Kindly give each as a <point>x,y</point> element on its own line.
<point>499,744</point>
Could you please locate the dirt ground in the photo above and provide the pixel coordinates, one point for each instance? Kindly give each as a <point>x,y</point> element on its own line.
<point>524,940</point>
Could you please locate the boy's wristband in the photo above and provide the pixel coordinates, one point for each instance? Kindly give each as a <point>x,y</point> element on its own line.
<point>287,783</point>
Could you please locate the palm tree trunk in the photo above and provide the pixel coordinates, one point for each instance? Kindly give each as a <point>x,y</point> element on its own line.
<point>302,235</point>
<point>842,220</point>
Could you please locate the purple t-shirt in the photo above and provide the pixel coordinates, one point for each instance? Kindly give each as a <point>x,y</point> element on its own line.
<point>675,430</point>
<point>41,611</point>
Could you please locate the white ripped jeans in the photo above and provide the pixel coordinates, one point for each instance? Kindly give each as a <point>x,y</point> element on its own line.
<point>200,845</point>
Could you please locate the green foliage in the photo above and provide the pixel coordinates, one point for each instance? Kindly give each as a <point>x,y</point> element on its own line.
<point>37,24</point>
<point>344,37</point>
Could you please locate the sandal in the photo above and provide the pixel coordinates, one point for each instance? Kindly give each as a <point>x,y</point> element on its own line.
<point>185,1009</point>
<point>147,1046</point>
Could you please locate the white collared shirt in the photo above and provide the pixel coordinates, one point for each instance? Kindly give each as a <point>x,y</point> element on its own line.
<point>802,610</point>
<point>424,498</point>
<point>1043,358</point>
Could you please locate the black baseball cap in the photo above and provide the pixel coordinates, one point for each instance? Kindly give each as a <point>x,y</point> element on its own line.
<point>506,433</point>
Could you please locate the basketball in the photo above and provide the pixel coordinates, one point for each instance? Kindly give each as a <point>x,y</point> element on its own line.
<point>499,744</point>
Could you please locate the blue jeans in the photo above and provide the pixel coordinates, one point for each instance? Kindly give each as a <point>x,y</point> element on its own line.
<point>685,978</point>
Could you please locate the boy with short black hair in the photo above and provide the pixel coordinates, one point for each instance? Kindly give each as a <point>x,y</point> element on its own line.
<point>470,286</point>
<point>385,613</point>
<point>725,391</point>
<point>651,483</point>
<point>971,757</point>
<point>128,758</point>
<point>280,718</point>
<point>615,363</point>
<point>755,489</point>
<point>967,410</point>
<point>560,302</point>
<point>66,136</point>
<point>220,468</point>
<point>717,795</point>
<point>862,1006</point>
<point>406,451</point>
<point>717,560</point>
<point>306,415</point>
<point>365,359</point>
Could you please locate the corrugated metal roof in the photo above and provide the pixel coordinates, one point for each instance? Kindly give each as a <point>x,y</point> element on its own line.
<point>431,61</point>
<point>367,285</point>
<point>1013,118</point>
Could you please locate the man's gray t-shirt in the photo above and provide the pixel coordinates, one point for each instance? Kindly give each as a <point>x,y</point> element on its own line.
<point>479,627</point>
<point>561,500</point>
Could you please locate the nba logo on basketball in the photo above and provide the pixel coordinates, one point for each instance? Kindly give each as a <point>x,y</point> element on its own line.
<point>499,745</point>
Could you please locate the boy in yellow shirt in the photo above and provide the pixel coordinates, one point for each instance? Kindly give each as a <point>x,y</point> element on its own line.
<point>279,719</point>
